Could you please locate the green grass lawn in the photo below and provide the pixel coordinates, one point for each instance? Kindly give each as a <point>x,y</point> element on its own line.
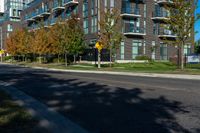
<point>152,67</point>
<point>13,118</point>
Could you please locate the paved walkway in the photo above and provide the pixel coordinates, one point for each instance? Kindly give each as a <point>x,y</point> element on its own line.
<point>48,119</point>
<point>175,76</point>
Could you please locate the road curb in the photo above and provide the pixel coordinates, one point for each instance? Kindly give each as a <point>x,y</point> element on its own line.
<point>48,119</point>
<point>154,75</point>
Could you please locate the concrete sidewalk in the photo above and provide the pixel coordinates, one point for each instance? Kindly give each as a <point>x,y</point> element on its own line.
<point>174,76</point>
<point>48,119</point>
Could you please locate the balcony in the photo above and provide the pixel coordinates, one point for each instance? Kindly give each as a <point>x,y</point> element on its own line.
<point>46,24</point>
<point>58,6</point>
<point>14,16</point>
<point>128,12</point>
<point>37,15</point>
<point>134,31</point>
<point>34,27</point>
<point>164,33</point>
<point>164,2</point>
<point>29,18</point>
<point>53,21</point>
<point>160,15</point>
<point>70,2</point>
<point>45,12</point>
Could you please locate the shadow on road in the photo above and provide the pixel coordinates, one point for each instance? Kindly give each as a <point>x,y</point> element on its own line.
<point>100,108</point>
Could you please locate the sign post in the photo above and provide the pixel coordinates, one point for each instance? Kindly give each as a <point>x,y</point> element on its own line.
<point>1,53</point>
<point>99,46</point>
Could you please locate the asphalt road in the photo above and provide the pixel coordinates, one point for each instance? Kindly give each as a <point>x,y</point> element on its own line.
<point>103,103</point>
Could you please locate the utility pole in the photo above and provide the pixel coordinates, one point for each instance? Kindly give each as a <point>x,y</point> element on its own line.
<point>1,43</point>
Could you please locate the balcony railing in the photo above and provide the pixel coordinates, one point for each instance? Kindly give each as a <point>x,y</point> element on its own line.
<point>30,17</point>
<point>70,2</point>
<point>45,12</point>
<point>160,15</point>
<point>165,1</point>
<point>133,30</point>
<point>58,5</point>
<point>131,12</point>
<point>166,33</point>
<point>37,14</point>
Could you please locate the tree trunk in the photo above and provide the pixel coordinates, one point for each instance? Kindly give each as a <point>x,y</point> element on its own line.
<point>12,59</point>
<point>182,56</point>
<point>99,59</point>
<point>34,58</point>
<point>40,59</point>
<point>66,59</point>
<point>24,58</point>
<point>74,59</point>
<point>58,58</point>
<point>110,56</point>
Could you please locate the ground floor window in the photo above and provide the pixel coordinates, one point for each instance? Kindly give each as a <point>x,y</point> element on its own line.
<point>153,50</point>
<point>136,48</point>
<point>187,49</point>
<point>163,51</point>
<point>122,51</point>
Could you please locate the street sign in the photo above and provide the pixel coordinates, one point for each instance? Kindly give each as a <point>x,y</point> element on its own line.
<point>2,51</point>
<point>99,46</point>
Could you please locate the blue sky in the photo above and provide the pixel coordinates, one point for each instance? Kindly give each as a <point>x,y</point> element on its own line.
<point>197,25</point>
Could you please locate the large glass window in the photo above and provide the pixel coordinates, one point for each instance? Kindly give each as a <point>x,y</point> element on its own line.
<point>187,49</point>
<point>85,26</point>
<point>153,50</point>
<point>136,48</point>
<point>94,24</point>
<point>122,51</point>
<point>163,51</point>
<point>9,27</point>
<point>85,8</point>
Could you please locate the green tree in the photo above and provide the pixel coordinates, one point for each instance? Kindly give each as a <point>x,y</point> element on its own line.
<point>110,35</point>
<point>60,38</point>
<point>197,48</point>
<point>75,37</point>
<point>181,22</point>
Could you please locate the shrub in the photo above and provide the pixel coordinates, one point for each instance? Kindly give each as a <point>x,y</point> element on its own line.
<point>6,58</point>
<point>142,58</point>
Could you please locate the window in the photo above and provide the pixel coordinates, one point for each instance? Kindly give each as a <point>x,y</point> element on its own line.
<point>144,47</point>
<point>85,26</point>
<point>112,4</point>
<point>163,51</point>
<point>122,51</point>
<point>94,24</point>
<point>187,49</point>
<point>85,8</point>
<point>153,50</point>
<point>136,48</point>
<point>9,27</point>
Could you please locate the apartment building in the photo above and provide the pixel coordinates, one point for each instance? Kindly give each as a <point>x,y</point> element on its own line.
<point>140,21</point>
<point>10,18</point>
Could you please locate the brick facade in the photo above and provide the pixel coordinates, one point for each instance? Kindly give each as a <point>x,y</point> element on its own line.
<point>139,21</point>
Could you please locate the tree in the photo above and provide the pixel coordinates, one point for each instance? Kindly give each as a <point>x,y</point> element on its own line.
<point>76,37</point>
<point>18,43</point>
<point>40,43</point>
<point>60,37</point>
<point>55,37</point>
<point>197,49</point>
<point>181,22</point>
<point>110,35</point>
<point>11,47</point>
<point>23,43</point>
